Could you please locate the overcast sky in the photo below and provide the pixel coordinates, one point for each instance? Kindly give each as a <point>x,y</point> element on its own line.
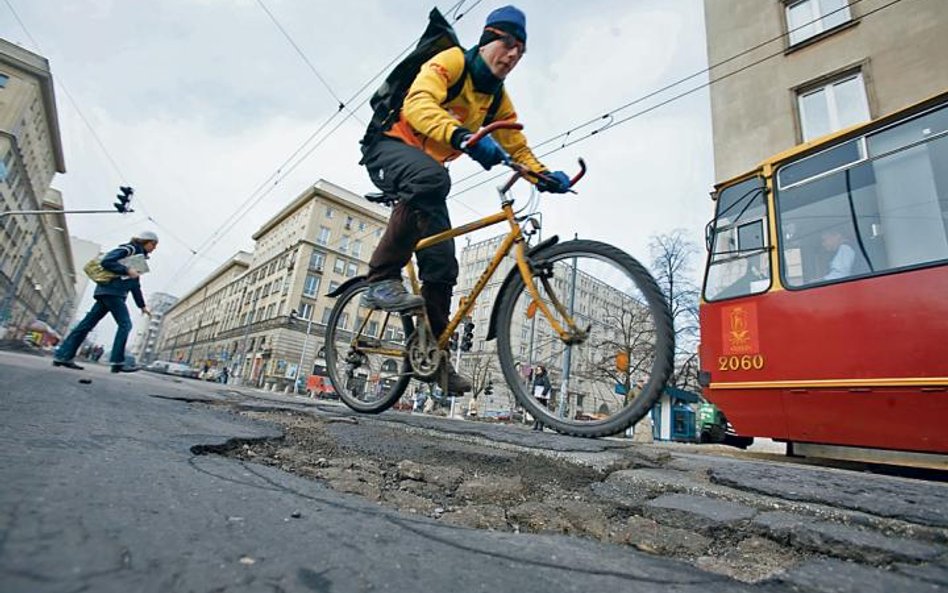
<point>199,102</point>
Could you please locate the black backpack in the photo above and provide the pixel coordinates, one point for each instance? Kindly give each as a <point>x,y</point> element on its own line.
<point>387,101</point>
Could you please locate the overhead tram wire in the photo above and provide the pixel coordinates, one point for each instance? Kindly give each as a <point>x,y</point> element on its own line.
<point>612,122</point>
<point>95,135</point>
<point>341,104</point>
<point>276,177</point>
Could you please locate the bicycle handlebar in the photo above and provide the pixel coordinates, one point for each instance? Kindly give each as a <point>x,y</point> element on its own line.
<point>519,170</point>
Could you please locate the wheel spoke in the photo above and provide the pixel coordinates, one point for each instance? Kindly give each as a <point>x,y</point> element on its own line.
<point>365,353</point>
<point>610,379</point>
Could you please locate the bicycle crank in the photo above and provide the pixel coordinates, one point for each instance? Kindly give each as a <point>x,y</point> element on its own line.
<point>424,356</point>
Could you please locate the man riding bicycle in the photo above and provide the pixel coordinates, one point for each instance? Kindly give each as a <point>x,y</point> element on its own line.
<point>407,162</point>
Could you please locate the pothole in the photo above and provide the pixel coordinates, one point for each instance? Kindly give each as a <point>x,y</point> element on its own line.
<point>486,488</point>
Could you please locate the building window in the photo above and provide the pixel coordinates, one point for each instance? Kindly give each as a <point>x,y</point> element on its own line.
<point>3,80</point>
<point>344,244</point>
<point>323,238</point>
<point>311,285</point>
<point>326,312</point>
<point>808,18</point>
<point>305,310</point>
<point>351,270</point>
<point>357,248</point>
<point>349,221</point>
<point>834,106</point>
<point>333,285</point>
<point>329,212</point>
<point>317,260</point>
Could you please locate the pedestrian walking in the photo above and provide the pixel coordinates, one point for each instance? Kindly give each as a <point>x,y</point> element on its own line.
<point>110,299</point>
<point>541,391</point>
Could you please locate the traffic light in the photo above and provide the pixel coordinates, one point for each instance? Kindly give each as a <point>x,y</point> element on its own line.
<point>124,199</point>
<point>467,340</point>
<point>454,341</point>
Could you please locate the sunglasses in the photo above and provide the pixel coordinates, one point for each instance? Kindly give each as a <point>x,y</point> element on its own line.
<point>509,41</point>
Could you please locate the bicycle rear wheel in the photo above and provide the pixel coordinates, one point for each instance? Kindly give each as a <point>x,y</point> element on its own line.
<point>617,373</point>
<point>365,353</point>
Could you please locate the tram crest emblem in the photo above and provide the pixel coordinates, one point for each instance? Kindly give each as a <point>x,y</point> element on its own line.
<point>740,329</point>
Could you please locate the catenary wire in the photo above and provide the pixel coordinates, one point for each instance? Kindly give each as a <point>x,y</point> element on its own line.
<point>341,104</point>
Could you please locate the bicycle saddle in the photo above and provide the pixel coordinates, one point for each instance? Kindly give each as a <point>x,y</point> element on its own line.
<point>381,198</point>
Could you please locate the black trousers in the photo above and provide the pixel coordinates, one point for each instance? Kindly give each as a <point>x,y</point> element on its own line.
<point>421,185</point>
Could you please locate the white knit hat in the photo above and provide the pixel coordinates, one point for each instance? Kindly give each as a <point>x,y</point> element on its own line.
<point>145,236</point>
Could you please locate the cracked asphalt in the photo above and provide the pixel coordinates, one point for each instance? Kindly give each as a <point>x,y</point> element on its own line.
<point>145,483</point>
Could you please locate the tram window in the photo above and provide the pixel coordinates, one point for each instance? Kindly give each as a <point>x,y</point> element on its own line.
<point>739,262</point>
<point>921,128</point>
<point>821,162</point>
<point>884,214</point>
<point>751,235</point>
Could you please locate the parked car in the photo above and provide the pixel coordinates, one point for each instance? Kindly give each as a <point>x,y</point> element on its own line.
<point>170,368</point>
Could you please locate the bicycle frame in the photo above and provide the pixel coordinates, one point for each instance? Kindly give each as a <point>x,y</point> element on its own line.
<point>513,240</point>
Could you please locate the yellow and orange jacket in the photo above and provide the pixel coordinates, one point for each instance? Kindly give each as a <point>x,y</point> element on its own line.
<point>427,122</point>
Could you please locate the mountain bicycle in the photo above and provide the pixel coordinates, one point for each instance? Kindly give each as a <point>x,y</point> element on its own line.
<point>588,312</point>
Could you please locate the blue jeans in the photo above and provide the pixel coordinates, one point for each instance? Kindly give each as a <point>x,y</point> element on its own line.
<point>103,305</point>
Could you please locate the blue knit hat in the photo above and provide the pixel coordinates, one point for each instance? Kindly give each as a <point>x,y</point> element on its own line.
<point>508,19</point>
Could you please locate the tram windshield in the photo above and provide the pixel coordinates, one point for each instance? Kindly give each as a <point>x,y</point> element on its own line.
<point>739,262</point>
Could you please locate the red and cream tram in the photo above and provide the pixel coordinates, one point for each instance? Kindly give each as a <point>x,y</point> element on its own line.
<point>824,317</point>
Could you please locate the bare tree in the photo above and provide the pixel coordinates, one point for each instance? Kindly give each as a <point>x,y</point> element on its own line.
<point>480,365</point>
<point>627,352</point>
<point>672,257</point>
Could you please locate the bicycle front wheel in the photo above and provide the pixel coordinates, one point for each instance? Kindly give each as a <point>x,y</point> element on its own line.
<point>366,353</point>
<point>613,377</point>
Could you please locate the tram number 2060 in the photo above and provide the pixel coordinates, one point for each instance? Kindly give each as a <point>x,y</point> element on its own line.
<point>745,362</point>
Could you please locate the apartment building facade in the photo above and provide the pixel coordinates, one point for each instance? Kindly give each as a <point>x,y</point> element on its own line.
<point>37,272</point>
<point>266,321</point>
<point>146,345</point>
<point>788,71</point>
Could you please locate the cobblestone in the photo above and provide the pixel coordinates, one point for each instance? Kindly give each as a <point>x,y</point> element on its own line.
<point>883,496</point>
<point>697,512</point>
<point>836,576</point>
<point>842,541</point>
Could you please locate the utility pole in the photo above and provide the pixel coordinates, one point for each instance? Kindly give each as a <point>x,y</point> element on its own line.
<point>243,362</point>
<point>309,327</point>
<point>568,354</point>
<point>198,330</point>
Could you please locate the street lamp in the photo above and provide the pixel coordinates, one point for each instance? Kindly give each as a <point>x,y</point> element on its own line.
<point>309,327</point>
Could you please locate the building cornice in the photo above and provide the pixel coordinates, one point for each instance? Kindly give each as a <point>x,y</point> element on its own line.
<point>328,191</point>
<point>38,66</point>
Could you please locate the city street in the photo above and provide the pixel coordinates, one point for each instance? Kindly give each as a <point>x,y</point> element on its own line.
<point>144,482</point>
